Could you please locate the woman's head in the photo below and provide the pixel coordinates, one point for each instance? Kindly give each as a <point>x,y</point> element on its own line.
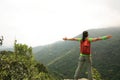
<point>84,35</point>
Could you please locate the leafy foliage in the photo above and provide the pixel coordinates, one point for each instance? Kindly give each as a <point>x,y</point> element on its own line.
<point>96,74</point>
<point>21,65</point>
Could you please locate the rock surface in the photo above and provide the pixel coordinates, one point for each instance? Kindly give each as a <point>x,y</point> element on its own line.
<point>78,79</point>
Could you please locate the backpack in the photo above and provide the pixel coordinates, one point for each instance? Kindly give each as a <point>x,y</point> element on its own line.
<point>85,47</point>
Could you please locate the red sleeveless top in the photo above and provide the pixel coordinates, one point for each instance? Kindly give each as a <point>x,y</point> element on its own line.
<point>85,47</point>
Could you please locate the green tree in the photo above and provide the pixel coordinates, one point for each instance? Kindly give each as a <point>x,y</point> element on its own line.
<point>21,65</point>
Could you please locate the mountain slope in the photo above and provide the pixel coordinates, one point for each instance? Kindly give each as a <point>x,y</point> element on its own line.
<point>62,57</point>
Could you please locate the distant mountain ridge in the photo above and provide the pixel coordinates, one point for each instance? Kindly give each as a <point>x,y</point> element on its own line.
<point>61,57</point>
<point>6,48</point>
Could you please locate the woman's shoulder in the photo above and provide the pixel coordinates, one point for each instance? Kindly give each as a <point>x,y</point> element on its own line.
<point>90,39</point>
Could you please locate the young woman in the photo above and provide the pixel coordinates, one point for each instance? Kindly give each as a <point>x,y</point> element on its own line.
<point>85,52</point>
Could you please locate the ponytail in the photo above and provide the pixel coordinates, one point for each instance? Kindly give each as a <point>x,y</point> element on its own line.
<point>84,35</point>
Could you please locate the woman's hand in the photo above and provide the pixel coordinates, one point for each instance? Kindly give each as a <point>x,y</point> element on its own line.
<point>65,38</point>
<point>109,36</point>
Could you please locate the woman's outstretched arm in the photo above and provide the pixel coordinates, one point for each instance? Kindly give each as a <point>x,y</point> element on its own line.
<point>101,38</point>
<point>72,39</point>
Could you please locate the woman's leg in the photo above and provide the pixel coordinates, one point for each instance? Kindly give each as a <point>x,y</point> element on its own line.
<point>89,64</point>
<point>79,68</point>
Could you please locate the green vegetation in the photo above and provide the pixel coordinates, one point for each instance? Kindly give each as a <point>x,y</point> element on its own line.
<point>21,65</point>
<point>96,74</point>
<point>61,57</point>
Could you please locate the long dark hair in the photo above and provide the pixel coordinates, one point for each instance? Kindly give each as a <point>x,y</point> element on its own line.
<point>84,35</point>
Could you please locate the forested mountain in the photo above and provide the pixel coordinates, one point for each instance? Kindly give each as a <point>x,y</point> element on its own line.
<point>62,56</point>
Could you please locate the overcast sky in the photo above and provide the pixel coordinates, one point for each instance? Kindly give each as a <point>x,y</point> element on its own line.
<point>41,22</point>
